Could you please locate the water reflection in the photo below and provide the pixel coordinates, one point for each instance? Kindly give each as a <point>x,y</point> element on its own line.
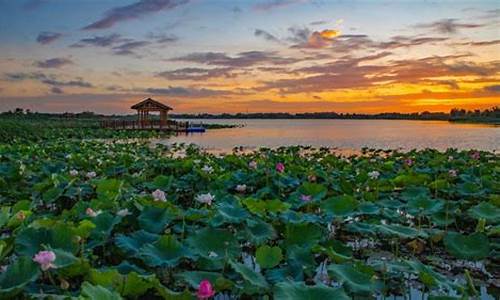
<point>346,134</point>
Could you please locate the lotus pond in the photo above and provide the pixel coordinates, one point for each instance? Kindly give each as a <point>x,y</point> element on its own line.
<point>92,220</point>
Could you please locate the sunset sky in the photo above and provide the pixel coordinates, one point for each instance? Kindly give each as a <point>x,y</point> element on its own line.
<point>249,56</point>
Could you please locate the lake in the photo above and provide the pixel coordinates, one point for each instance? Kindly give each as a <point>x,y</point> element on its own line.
<point>344,134</point>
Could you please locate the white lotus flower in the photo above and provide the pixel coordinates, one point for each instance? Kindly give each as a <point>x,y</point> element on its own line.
<point>91,175</point>
<point>207,169</point>
<point>159,195</point>
<point>252,165</point>
<point>241,188</point>
<point>374,174</point>
<point>73,173</point>
<point>205,198</point>
<point>123,212</point>
<point>212,254</point>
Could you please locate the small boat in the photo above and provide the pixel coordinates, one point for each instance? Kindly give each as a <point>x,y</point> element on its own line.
<point>195,128</point>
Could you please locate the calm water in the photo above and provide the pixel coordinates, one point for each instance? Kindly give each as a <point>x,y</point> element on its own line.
<point>345,134</point>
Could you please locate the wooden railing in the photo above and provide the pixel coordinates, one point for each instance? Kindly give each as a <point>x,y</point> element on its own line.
<point>145,124</point>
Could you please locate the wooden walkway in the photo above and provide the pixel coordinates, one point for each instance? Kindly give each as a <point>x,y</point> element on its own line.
<point>168,125</point>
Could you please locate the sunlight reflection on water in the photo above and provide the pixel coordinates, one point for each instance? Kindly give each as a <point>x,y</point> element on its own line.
<point>345,134</point>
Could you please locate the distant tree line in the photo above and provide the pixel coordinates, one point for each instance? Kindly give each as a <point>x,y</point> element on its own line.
<point>487,115</point>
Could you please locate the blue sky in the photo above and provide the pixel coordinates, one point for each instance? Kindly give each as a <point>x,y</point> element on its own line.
<point>264,55</point>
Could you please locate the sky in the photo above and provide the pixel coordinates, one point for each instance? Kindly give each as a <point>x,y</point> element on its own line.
<point>218,56</point>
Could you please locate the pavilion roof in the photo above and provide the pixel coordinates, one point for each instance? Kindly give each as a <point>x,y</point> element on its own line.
<point>151,104</point>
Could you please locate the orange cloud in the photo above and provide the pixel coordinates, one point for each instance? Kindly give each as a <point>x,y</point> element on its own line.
<point>321,39</point>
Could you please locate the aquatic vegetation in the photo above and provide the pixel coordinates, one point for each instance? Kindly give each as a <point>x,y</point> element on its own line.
<point>130,220</point>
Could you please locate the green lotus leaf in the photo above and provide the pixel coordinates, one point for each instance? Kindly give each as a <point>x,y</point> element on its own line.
<point>52,194</point>
<point>443,219</point>
<point>249,275</point>
<point>232,213</point>
<point>96,292</point>
<point>431,278</point>
<point>259,231</point>
<point>210,240</point>
<point>300,291</point>
<point>64,258</point>
<point>305,235</point>
<point>338,251</point>
<point>316,190</point>
<point>487,211</point>
<point>340,205</point>
<point>360,227</point>
<point>162,182</point>
<point>268,257</point>
<point>23,271</point>
<point>357,281</point>
<point>424,205</point>
<point>400,231</point>
<point>475,246</point>
<point>132,243</point>
<point>109,189</point>
<point>154,219</point>
<point>368,208</point>
<point>30,241</point>
<point>261,207</point>
<point>411,179</point>
<point>104,224</point>
<point>129,285</point>
<point>165,252</point>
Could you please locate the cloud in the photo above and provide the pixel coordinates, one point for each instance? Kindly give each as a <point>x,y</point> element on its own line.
<point>273,4</point>
<point>99,41</point>
<point>447,26</point>
<point>197,73</point>
<point>129,47</point>
<point>266,35</point>
<point>47,37</point>
<point>321,39</point>
<point>53,63</point>
<point>299,35</point>
<point>185,92</point>
<point>364,72</point>
<point>493,88</point>
<point>242,59</point>
<point>303,37</point>
<point>115,42</point>
<point>133,11</point>
<point>50,80</point>
<point>481,43</point>
<point>162,38</point>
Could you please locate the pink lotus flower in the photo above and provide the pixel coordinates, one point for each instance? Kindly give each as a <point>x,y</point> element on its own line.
<point>305,198</point>
<point>45,259</point>
<point>311,178</point>
<point>91,213</point>
<point>475,155</point>
<point>159,195</point>
<point>280,167</point>
<point>409,162</point>
<point>205,290</point>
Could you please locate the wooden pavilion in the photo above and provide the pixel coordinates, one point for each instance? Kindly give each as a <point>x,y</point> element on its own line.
<point>149,105</point>
<point>145,120</point>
